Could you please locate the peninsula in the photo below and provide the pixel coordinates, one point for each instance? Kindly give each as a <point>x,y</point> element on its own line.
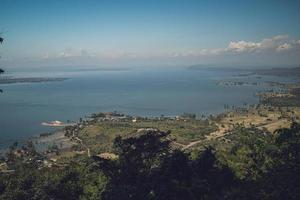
<point>11,80</point>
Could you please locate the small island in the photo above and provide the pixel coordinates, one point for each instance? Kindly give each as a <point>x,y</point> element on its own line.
<point>12,80</point>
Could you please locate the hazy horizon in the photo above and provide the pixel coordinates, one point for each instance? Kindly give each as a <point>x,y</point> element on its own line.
<point>149,33</point>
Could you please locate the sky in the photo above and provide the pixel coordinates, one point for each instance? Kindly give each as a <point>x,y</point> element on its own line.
<point>149,33</point>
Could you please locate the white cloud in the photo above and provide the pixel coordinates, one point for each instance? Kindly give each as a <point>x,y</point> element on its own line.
<point>65,55</point>
<point>276,44</point>
<point>196,53</point>
<point>284,47</point>
<point>279,43</point>
<point>68,52</point>
<point>273,43</point>
<point>242,46</point>
<point>268,44</point>
<point>280,37</point>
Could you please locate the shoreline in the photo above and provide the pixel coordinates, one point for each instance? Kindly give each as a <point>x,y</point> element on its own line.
<point>12,80</point>
<point>58,139</point>
<point>260,116</point>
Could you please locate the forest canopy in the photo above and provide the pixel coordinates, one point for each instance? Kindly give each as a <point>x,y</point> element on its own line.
<point>254,165</point>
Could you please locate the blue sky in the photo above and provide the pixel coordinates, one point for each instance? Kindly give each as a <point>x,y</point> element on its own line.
<point>148,33</point>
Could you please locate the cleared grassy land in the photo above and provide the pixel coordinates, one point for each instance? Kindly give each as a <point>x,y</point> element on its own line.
<point>99,136</point>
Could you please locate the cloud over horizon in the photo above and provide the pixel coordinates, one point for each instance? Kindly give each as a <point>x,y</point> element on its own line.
<point>279,43</point>
<point>273,50</point>
<point>276,44</point>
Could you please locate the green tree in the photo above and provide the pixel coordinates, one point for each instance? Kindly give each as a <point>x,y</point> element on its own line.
<point>148,168</point>
<point>283,180</point>
<point>249,153</point>
<point>130,177</point>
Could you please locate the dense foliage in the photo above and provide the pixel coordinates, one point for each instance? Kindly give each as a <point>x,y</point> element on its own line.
<point>252,164</point>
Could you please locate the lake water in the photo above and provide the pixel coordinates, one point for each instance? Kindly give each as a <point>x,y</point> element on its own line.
<point>144,92</point>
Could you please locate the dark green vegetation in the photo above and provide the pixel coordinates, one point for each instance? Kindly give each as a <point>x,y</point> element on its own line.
<point>286,101</point>
<point>246,164</point>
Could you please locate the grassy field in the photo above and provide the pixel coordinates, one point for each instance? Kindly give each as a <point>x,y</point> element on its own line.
<point>100,135</point>
<point>270,118</point>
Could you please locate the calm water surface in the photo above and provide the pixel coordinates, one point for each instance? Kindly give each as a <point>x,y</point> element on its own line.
<point>23,107</point>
